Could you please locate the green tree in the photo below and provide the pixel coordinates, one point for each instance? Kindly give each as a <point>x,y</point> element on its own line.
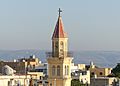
<point>116,70</point>
<point>75,82</point>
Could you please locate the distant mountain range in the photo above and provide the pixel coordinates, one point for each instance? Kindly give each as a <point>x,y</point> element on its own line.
<point>100,58</point>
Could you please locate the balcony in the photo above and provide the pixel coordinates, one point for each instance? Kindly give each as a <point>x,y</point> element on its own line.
<point>64,54</point>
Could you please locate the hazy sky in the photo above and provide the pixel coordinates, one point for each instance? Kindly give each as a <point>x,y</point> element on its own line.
<point>90,24</point>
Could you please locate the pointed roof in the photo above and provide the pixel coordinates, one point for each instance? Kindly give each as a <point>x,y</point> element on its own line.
<point>59,29</point>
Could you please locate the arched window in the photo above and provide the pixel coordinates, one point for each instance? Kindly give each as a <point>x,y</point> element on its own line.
<point>50,84</point>
<point>61,44</point>
<point>101,73</point>
<point>92,73</point>
<point>67,70</point>
<point>58,70</point>
<point>53,70</point>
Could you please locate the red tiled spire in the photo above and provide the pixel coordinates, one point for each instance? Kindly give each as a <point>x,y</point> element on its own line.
<point>59,30</point>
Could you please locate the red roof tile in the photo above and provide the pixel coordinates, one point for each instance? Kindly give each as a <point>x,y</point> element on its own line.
<point>59,29</point>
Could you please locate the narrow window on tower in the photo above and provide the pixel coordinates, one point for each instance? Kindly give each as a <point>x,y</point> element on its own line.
<point>58,70</point>
<point>67,70</point>
<point>61,44</point>
<point>53,49</point>
<point>56,49</point>
<point>53,70</point>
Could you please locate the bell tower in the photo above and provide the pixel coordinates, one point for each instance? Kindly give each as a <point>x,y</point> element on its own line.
<point>59,60</point>
<point>59,39</point>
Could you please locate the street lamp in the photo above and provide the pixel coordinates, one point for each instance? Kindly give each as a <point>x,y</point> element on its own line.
<point>55,83</point>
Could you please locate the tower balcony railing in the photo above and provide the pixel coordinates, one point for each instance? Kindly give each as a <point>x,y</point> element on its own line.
<point>52,54</point>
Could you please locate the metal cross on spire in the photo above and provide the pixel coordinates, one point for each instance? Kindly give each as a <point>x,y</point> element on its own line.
<point>59,11</point>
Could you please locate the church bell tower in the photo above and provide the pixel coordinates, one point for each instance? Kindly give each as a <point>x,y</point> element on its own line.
<point>59,39</point>
<point>59,60</point>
